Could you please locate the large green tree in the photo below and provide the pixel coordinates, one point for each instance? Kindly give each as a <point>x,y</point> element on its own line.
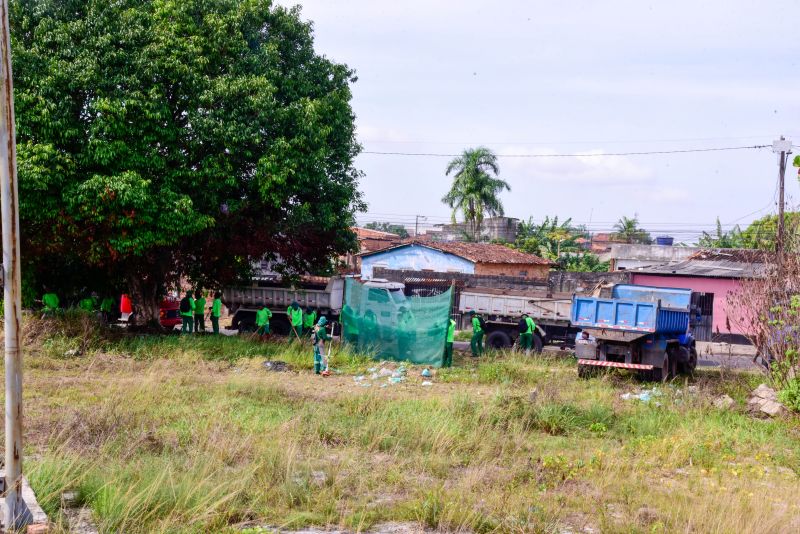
<point>476,188</point>
<point>166,138</point>
<point>732,238</point>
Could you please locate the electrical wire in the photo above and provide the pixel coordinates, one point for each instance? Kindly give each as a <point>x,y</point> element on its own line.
<point>584,155</point>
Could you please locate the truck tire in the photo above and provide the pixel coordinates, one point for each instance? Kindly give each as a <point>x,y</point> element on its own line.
<point>688,367</point>
<point>667,369</point>
<point>499,340</point>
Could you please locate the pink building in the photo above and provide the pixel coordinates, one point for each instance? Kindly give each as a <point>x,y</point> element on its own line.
<point>712,275</point>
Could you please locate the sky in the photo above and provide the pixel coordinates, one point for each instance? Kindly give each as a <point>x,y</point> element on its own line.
<point>573,77</point>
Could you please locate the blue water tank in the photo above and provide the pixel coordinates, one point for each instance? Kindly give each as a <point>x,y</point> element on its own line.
<point>665,240</point>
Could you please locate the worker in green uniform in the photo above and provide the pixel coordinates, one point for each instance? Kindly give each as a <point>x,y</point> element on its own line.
<point>295,315</point>
<point>448,344</point>
<point>318,338</point>
<point>186,309</point>
<point>49,302</point>
<point>216,311</point>
<point>89,304</point>
<point>309,319</point>
<point>199,311</point>
<point>106,308</point>
<point>262,322</point>
<point>476,343</point>
<point>526,337</point>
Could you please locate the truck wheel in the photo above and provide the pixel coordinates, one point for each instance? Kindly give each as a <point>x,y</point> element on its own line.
<point>691,363</point>
<point>662,374</point>
<point>538,344</point>
<point>498,340</point>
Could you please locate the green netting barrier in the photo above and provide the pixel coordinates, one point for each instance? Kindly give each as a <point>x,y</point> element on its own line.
<point>394,326</point>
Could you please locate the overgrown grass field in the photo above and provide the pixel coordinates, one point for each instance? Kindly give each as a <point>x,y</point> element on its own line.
<point>193,434</point>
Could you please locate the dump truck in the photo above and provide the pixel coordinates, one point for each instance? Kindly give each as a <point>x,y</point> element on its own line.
<point>642,328</point>
<point>327,299</point>
<point>502,311</point>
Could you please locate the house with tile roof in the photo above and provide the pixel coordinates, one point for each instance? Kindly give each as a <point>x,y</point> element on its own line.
<point>455,257</point>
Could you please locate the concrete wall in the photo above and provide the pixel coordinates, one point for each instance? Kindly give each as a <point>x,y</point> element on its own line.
<point>512,269</point>
<point>415,258</point>
<point>720,287</point>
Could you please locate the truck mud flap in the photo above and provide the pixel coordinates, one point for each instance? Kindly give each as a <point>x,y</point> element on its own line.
<point>618,365</point>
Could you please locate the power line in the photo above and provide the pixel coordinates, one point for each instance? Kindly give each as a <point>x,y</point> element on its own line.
<point>585,155</point>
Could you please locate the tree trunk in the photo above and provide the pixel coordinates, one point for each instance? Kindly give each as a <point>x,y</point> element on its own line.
<point>146,291</point>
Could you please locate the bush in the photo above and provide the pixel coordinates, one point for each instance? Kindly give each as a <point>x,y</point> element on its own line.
<point>790,394</point>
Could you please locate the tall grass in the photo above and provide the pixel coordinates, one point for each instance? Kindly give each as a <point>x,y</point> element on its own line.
<point>191,434</point>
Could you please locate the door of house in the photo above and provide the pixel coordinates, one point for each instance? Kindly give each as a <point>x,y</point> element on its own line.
<point>702,317</point>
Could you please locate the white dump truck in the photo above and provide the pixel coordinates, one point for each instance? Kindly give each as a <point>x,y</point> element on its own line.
<point>502,311</point>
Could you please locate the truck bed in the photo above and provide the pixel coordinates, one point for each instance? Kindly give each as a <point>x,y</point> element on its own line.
<point>645,310</point>
<point>511,305</point>
<point>278,299</point>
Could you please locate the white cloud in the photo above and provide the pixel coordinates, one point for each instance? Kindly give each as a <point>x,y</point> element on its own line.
<point>594,168</point>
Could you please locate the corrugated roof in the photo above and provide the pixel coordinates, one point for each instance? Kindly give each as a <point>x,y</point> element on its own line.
<point>708,269</point>
<point>474,252</point>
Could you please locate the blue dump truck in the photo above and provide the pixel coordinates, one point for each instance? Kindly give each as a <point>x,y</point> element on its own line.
<point>641,328</point>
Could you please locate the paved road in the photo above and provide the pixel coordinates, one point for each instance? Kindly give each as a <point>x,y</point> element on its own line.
<point>711,355</point>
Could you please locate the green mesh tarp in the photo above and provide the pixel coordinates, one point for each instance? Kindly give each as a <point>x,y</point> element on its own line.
<point>393,326</point>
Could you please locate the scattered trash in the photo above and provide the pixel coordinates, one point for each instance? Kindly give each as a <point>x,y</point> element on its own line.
<point>72,352</point>
<point>365,384</point>
<point>385,372</point>
<point>644,396</point>
<point>426,373</point>
<point>359,378</point>
<point>397,374</point>
<point>276,366</point>
<point>427,383</point>
<point>764,400</point>
<point>372,369</point>
<point>724,402</point>
<point>395,379</point>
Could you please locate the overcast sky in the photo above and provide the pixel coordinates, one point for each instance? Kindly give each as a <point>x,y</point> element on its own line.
<point>575,77</point>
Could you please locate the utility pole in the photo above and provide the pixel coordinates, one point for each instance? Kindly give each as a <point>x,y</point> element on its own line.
<point>16,513</point>
<point>782,147</point>
<point>416,224</point>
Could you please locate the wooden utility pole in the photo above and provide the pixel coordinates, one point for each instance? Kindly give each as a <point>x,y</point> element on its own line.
<point>16,514</point>
<point>782,147</point>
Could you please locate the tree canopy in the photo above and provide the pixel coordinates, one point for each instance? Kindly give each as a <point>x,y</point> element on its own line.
<point>475,190</point>
<point>396,229</point>
<point>628,230</point>
<point>549,238</point>
<point>162,138</point>
<point>760,234</point>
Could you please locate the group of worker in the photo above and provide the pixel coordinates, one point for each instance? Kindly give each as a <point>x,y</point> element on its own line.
<point>527,327</point>
<point>301,322</point>
<point>192,310</point>
<point>91,304</point>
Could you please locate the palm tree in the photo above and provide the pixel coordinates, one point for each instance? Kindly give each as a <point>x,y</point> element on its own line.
<point>628,230</point>
<point>475,187</point>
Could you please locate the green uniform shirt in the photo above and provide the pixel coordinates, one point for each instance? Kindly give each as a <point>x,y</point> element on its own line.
<point>191,308</point>
<point>107,305</point>
<point>451,331</point>
<point>310,319</point>
<point>86,304</point>
<point>295,316</point>
<point>476,325</point>
<point>321,334</point>
<point>50,301</point>
<point>216,308</point>
<point>262,316</point>
<point>531,325</point>
<point>200,306</point>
